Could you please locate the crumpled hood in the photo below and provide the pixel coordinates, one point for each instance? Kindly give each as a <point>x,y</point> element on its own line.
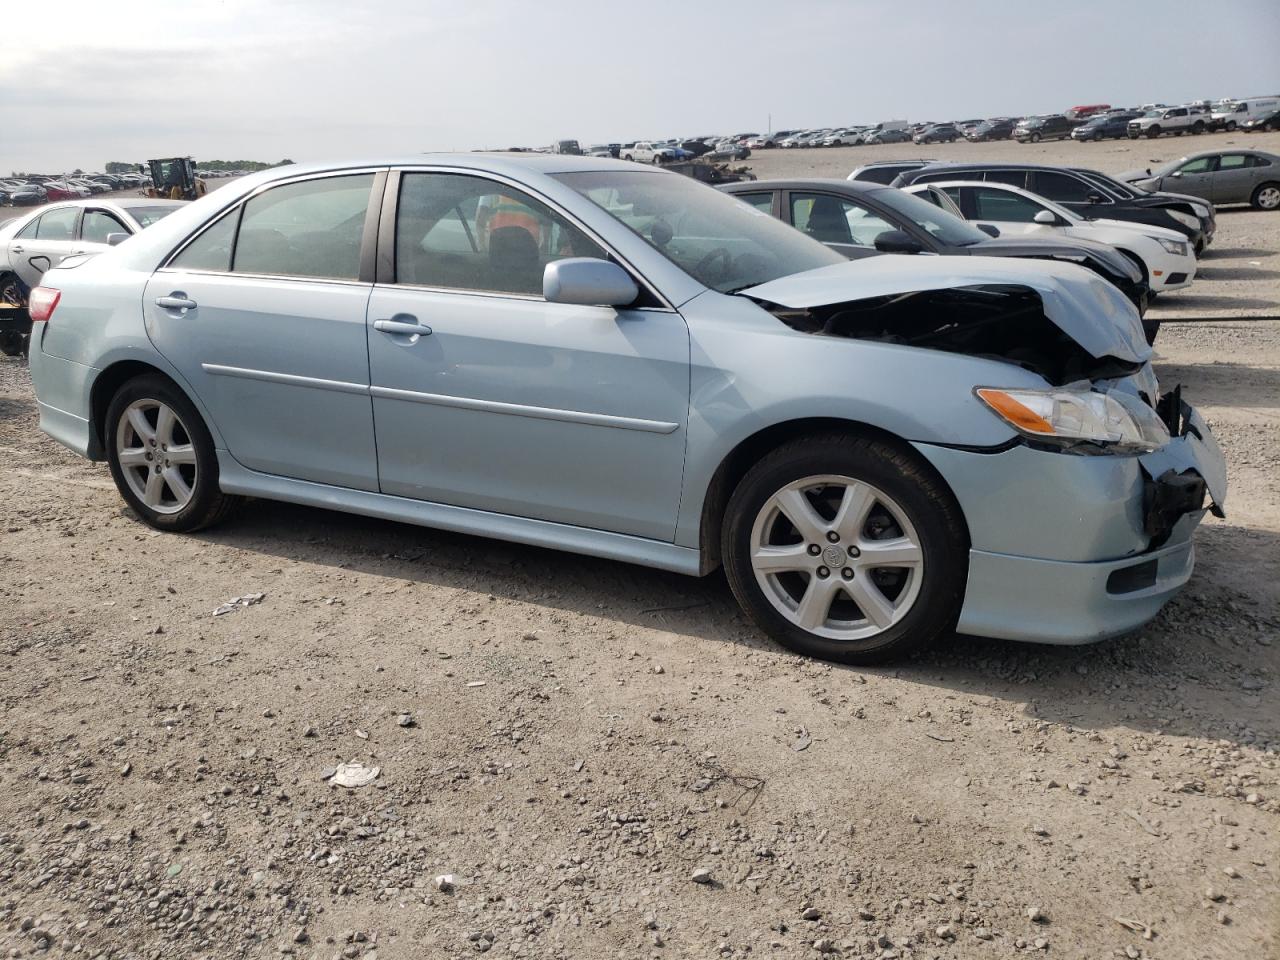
<point>1085,307</point>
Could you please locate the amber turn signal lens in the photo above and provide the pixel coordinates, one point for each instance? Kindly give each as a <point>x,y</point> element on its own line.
<point>1018,414</point>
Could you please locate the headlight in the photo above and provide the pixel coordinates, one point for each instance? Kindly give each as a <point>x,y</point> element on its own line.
<point>1067,418</point>
<point>1186,219</point>
<point>1176,247</point>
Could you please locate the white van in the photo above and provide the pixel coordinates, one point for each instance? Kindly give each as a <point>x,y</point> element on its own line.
<point>1230,115</point>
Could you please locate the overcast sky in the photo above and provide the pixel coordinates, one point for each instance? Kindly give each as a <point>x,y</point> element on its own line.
<point>90,81</point>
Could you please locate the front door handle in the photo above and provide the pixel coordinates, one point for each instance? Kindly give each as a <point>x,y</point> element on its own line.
<point>18,249</point>
<point>175,301</point>
<point>402,327</point>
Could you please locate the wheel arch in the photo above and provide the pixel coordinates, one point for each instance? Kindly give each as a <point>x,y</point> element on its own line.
<point>110,380</point>
<point>748,451</point>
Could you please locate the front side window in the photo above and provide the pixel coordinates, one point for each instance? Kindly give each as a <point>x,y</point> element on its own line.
<point>29,231</point>
<point>469,233</point>
<point>1015,178</point>
<point>98,225</point>
<point>1198,165</point>
<point>1004,206</point>
<point>925,213</point>
<point>308,229</point>
<point>836,220</point>
<point>721,243</point>
<point>58,224</point>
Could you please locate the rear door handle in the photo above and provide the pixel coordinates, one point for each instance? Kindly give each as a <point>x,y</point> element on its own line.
<point>175,302</point>
<point>18,249</point>
<point>402,327</point>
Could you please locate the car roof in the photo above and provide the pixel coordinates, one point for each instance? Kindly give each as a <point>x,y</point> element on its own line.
<point>806,183</point>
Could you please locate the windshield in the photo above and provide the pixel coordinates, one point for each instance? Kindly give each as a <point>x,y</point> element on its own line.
<point>1152,114</point>
<point>1117,188</point>
<point>947,227</point>
<point>146,216</point>
<point>718,240</point>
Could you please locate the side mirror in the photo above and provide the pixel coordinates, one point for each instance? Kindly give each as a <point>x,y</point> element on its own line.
<point>1046,217</point>
<point>588,281</point>
<point>1176,173</point>
<point>115,239</point>
<point>990,229</point>
<point>897,241</point>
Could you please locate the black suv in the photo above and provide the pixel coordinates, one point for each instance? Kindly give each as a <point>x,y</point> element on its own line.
<point>1035,129</point>
<point>1091,194</point>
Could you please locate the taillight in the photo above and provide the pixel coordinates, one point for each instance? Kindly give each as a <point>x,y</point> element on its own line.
<point>41,303</point>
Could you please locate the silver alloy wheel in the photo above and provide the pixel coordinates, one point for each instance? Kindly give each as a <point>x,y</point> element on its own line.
<point>156,456</point>
<point>837,557</point>
<point>1269,198</point>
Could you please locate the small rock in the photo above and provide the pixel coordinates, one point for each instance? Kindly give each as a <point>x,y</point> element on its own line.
<point>1037,915</point>
<point>945,932</point>
<point>982,933</point>
<point>405,720</point>
<point>810,913</point>
<point>1231,872</point>
<point>701,875</point>
<point>444,882</point>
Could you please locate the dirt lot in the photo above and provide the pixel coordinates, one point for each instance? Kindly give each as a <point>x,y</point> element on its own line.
<point>583,736</point>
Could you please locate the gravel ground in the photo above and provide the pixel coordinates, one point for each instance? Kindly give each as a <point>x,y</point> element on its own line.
<point>608,761</point>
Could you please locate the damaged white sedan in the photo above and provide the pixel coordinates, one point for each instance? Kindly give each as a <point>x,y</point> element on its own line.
<point>582,354</point>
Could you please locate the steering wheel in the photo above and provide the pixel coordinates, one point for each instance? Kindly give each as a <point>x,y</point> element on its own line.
<point>719,253</point>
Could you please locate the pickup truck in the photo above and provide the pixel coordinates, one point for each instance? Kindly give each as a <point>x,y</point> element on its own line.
<point>1175,120</point>
<point>643,151</point>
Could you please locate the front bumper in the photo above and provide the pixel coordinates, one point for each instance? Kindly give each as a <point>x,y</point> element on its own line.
<point>1072,549</point>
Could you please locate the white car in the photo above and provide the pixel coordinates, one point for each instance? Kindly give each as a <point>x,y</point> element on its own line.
<point>645,151</point>
<point>843,138</point>
<point>1167,260</point>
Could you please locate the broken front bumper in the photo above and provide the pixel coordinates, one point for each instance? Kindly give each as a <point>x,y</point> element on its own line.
<point>1072,549</point>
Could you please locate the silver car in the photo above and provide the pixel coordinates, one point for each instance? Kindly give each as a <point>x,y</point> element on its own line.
<point>1222,176</point>
<point>31,244</point>
<point>615,360</point>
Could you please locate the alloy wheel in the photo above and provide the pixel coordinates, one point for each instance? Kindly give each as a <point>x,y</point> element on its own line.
<point>156,455</point>
<point>837,557</point>
<point>1269,198</point>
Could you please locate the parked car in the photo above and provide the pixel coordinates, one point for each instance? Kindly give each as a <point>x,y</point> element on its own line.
<point>895,135</point>
<point>728,150</point>
<point>1035,129</point>
<point>1220,176</point>
<point>56,190</point>
<point>1086,192</point>
<point>1176,120</point>
<point>1237,113</point>
<point>785,420</point>
<point>885,171</point>
<point>938,133</point>
<point>1087,111</point>
<point>990,130</point>
<point>644,151</point>
<point>866,219</point>
<point>25,194</point>
<point>1104,126</point>
<point>1165,257</point>
<point>843,138</point>
<point>1264,123</point>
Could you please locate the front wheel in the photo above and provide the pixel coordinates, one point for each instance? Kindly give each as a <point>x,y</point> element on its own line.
<point>627,156</point>
<point>1153,132</point>
<point>161,457</point>
<point>1198,127</point>
<point>1035,138</point>
<point>846,548</point>
<point>1266,197</point>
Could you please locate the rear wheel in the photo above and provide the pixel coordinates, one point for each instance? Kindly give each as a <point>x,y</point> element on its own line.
<point>12,290</point>
<point>161,456</point>
<point>1266,197</point>
<point>846,548</point>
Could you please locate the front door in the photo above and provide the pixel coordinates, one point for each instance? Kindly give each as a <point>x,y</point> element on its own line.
<point>487,396</point>
<point>838,222</point>
<point>264,316</point>
<point>1194,177</point>
<point>43,243</point>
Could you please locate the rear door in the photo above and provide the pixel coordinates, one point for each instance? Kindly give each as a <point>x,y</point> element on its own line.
<point>263,313</point>
<point>487,396</point>
<point>44,243</point>
<point>1234,179</point>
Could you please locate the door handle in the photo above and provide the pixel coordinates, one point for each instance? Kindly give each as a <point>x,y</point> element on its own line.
<point>175,302</point>
<point>18,249</point>
<point>402,327</point>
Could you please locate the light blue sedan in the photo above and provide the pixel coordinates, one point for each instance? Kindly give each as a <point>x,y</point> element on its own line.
<point>585,354</point>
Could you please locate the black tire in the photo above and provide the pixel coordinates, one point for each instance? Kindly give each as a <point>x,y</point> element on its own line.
<point>627,156</point>
<point>1035,138</point>
<point>12,290</point>
<point>901,475</point>
<point>208,504</point>
<point>1231,126</point>
<point>1198,127</point>
<point>1153,132</point>
<point>1261,200</point>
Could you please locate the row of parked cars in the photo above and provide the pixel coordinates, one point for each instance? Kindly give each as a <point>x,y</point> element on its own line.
<point>878,450</point>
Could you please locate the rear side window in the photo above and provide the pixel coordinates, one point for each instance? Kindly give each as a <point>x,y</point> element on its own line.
<point>308,229</point>
<point>994,204</point>
<point>761,201</point>
<point>98,225</point>
<point>1015,178</point>
<point>212,249</point>
<point>1233,161</point>
<point>58,224</point>
<point>1061,188</point>
<point>468,233</point>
